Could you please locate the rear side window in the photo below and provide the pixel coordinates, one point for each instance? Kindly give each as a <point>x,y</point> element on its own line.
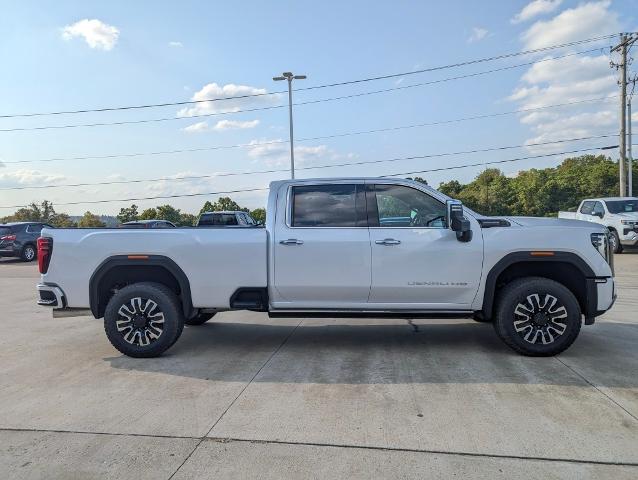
<point>587,208</point>
<point>34,228</point>
<point>333,205</point>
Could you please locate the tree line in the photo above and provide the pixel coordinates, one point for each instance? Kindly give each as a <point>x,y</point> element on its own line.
<point>534,192</point>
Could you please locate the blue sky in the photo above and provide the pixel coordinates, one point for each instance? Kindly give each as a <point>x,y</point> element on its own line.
<point>147,52</point>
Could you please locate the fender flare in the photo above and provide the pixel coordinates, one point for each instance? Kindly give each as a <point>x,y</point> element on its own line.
<point>139,260</point>
<point>527,256</point>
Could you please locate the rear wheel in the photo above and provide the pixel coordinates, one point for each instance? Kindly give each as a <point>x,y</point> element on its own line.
<point>143,319</point>
<point>537,316</point>
<point>614,242</point>
<point>28,253</point>
<point>199,319</point>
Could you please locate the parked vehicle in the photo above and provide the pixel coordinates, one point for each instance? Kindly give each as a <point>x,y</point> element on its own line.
<point>618,214</point>
<point>149,224</point>
<point>327,250</point>
<point>226,218</point>
<point>18,239</point>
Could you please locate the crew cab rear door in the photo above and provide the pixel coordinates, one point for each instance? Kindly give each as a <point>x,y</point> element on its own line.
<point>417,261</point>
<point>321,247</point>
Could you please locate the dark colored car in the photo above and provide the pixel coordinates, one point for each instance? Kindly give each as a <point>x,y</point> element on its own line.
<point>19,239</point>
<point>149,224</point>
<point>226,218</point>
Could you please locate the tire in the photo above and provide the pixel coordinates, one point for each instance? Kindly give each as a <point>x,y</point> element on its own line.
<point>199,319</point>
<point>139,329</point>
<point>526,323</point>
<point>29,253</point>
<point>614,242</point>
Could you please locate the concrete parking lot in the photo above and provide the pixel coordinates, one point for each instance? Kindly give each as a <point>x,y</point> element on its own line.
<point>246,396</point>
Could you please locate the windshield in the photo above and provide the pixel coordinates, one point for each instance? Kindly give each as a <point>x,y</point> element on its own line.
<point>5,230</point>
<point>622,206</point>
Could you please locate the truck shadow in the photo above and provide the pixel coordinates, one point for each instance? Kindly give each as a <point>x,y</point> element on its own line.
<point>347,353</point>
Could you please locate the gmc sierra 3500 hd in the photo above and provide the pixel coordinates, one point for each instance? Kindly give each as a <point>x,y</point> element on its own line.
<point>337,247</point>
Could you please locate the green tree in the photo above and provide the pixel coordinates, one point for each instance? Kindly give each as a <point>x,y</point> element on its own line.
<point>148,214</point>
<point>187,219</point>
<point>128,214</point>
<point>89,220</point>
<point>62,220</point>
<point>44,212</point>
<point>166,212</point>
<point>222,203</point>
<point>259,214</point>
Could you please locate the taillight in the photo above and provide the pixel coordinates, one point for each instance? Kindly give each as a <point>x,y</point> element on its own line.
<point>8,238</point>
<point>45,250</point>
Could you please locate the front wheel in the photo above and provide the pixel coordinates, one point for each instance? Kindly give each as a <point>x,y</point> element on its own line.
<point>537,316</point>
<point>614,242</point>
<point>143,319</point>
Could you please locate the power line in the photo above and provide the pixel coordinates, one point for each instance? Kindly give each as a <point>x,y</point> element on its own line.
<point>495,162</point>
<point>323,137</point>
<point>365,162</point>
<point>310,102</point>
<point>91,202</point>
<point>336,84</point>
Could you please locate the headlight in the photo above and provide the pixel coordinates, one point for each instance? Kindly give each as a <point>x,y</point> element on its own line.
<point>631,223</point>
<point>600,241</point>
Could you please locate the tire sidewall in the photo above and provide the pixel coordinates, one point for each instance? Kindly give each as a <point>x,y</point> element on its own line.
<point>615,247</point>
<point>166,302</point>
<point>505,317</point>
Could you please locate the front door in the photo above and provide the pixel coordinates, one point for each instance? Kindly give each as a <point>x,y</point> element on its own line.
<point>417,261</point>
<point>322,249</point>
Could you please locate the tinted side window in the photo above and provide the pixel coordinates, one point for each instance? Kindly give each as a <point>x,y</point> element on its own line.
<point>324,206</point>
<point>400,206</point>
<point>34,228</point>
<point>587,208</point>
<point>598,208</point>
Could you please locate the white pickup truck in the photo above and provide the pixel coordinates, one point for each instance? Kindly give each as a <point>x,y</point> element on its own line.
<point>618,214</point>
<point>364,247</point>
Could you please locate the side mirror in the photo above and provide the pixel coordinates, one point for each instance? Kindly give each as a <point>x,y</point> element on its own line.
<point>598,214</point>
<point>457,222</point>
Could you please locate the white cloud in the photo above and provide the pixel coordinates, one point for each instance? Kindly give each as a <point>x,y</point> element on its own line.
<point>477,35</point>
<point>235,124</point>
<point>213,91</point>
<point>221,125</point>
<point>570,79</point>
<point>97,34</point>
<point>585,21</point>
<point>276,152</point>
<point>175,44</point>
<point>196,127</point>
<point>23,178</point>
<point>536,8</point>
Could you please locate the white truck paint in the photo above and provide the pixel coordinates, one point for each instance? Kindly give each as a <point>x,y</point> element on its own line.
<point>356,246</point>
<point>618,214</point>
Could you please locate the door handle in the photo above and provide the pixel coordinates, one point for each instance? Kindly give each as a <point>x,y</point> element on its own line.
<point>291,241</point>
<point>388,241</point>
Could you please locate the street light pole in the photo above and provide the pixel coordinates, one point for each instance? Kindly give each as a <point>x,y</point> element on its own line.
<point>290,77</point>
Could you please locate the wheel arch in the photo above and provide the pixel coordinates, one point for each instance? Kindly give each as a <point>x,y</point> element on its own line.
<point>127,269</point>
<point>564,267</point>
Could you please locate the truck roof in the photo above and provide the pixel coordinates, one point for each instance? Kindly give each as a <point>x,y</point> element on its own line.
<point>612,199</point>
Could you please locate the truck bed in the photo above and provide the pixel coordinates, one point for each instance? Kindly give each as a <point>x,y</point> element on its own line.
<point>216,261</point>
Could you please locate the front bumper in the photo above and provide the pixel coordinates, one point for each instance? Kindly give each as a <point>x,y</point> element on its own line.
<point>50,296</point>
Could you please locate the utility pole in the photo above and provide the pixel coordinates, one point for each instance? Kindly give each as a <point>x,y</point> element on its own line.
<point>622,47</point>
<point>290,77</point>
<point>630,160</point>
